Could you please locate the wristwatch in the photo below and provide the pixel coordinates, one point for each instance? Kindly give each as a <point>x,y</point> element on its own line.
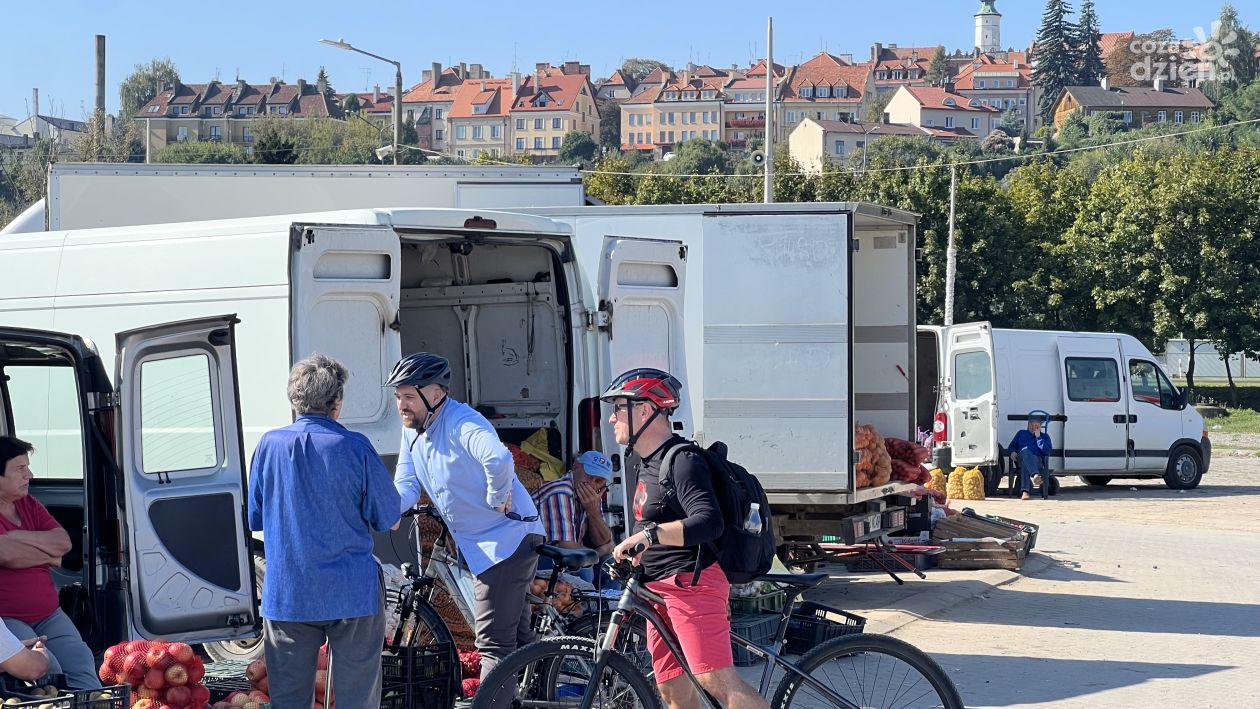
<point>649,531</point>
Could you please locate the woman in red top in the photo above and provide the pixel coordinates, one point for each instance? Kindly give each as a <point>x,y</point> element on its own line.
<point>31,542</point>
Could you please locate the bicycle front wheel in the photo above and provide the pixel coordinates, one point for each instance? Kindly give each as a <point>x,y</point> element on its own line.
<point>867,671</point>
<point>557,671</point>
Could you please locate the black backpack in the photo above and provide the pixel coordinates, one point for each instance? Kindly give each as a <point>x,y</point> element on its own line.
<point>742,555</point>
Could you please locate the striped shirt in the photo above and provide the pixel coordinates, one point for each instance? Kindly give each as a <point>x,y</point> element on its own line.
<point>563,518</point>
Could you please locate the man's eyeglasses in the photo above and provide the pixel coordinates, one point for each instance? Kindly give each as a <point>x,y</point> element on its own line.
<point>622,408</point>
<point>516,517</point>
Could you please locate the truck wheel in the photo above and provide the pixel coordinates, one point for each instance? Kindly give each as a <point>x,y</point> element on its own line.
<point>1096,480</point>
<point>992,480</point>
<point>1185,469</point>
<point>1054,486</point>
<point>245,650</point>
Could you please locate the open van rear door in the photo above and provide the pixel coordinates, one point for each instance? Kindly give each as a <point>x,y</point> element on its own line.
<point>640,316</point>
<point>183,463</point>
<point>777,346</point>
<point>345,285</point>
<point>972,398</point>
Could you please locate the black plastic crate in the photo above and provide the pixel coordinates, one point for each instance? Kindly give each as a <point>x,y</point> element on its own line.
<point>756,628</point>
<point>418,664</point>
<point>432,694</point>
<point>812,624</point>
<point>221,687</point>
<point>117,696</point>
<point>869,561</point>
<point>13,688</point>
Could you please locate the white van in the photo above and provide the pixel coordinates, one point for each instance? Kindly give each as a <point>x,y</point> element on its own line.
<point>1113,412</point>
<point>786,322</point>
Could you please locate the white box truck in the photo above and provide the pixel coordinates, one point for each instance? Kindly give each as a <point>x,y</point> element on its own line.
<point>1113,411</point>
<point>788,323</point>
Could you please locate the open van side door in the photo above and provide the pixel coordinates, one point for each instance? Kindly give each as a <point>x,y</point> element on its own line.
<point>1096,432</point>
<point>345,285</point>
<point>970,376</point>
<point>640,293</point>
<point>778,346</point>
<point>183,467</point>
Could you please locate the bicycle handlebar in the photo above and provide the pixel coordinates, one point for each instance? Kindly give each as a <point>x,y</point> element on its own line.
<point>624,569</point>
<point>422,511</point>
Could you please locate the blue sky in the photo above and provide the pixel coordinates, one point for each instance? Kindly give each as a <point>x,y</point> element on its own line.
<point>51,45</point>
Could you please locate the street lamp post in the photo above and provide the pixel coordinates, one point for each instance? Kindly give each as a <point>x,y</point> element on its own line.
<point>866,146</point>
<point>342,44</point>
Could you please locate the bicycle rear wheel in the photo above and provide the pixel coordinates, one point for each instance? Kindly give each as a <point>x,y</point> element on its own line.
<point>868,671</point>
<point>553,673</point>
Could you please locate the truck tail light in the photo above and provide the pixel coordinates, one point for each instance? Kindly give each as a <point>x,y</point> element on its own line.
<point>588,424</point>
<point>940,427</point>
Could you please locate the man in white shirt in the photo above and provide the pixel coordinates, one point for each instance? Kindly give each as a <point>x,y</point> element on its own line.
<point>24,659</point>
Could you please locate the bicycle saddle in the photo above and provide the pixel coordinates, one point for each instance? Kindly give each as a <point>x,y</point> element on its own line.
<point>570,559</point>
<point>798,580</point>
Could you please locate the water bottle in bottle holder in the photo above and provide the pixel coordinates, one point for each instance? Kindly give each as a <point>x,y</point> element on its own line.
<point>752,525</point>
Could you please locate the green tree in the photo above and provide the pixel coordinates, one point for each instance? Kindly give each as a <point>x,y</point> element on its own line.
<point>938,71</point>
<point>24,179</point>
<point>875,107</point>
<point>350,104</point>
<point>1240,66</point>
<point>1073,131</point>
<point>998,142</point>
<point>1150,56</point>
<point>699,157</point>
<point>609,124</point>
<point>577,147</point>
<point>1056,62</point>
<point>1046,199</point>
<point>144,82</point>
<point>329,92</point>
<point>1012,123</point>
<point>203,152</point>
<point>638,68</point>
<point>609,182</point>
<point>657,188</point>
<point>108,141</point>
<point>274,143</point>
<point>1089,46</point>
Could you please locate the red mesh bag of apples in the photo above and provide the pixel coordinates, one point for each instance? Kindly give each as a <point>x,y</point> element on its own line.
<point>160,674</point>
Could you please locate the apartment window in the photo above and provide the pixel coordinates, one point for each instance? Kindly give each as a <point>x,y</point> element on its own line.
<point>538,143</point>
<point>684,118</point>
<point>573,124</point>
<point>476,132</point>
<point>1162,116</point>
<point>437,135</point>
<point>896,76</point>
<point>671,136</point>
<point>949,121</point>
<point>1023,101</point>
<point>824,91</point>
<point>496,131</point>
<point>671,118</point>
<point>215,133</point>
<point>246,136</point>
<point>459,154</point>
<point>520,123</point>
<point>860,144</point>
<point>791,116</point>
<point>538,124</point>
<point>181,133</point>
<point>251,110</point>
<point>461,132</point>
<point>839,147</point>
<point>555,142</point>
<point>240,110</point>
<point>691,135</point>
<point>153,109</point>
<point>975,124</point>
<point>1194,116</point>
<point>993,123</point>
<point>662,137</point>
<point>411,115</point>
<point>929,122</point>
<point>183,110</point>
<point>807,92</point>
<point>520,143</point>
<point>282,110</point>
<point>693,116</point>
<point>1177,117</point>
<point>437,113</point>
<point>557,123</point>
<point>647,116</point>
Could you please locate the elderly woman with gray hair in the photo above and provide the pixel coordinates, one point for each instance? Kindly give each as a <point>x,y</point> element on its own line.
<point>317,491</point>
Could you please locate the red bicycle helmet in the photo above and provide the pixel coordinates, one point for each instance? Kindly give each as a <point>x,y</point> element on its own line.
<point>646,384</point>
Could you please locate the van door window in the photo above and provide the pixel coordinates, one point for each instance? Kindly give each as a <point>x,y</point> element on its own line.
<point>973,375</point>
<point>1151,386</point>
<point>177,415</point>
<point>46,414</point>
<point>1092,379</point>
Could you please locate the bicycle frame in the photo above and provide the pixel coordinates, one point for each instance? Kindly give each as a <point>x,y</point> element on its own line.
<point>634,601</point>
<point>445,567</point>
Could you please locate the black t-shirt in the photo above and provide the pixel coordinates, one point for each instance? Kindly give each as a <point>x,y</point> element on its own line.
<point>694,501</point>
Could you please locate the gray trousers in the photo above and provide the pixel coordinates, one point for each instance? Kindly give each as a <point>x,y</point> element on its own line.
<point>67,653</point>
<point>292,649</point>
<point>500,610</point>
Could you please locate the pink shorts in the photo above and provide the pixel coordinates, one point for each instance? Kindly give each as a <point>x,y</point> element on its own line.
<point>699,616</point>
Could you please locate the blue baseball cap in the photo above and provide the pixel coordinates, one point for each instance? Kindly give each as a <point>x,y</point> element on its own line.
<point>595,463</point>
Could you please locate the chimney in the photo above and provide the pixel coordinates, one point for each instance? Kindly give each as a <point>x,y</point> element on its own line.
<point>1104,84</point>
<point>516,83</point>
<point>35,112</point>
<point>539,66</point>
<point>584,69</point>
<point>1159,84</point>
<point>1014,63</point>
<point>426,74</point>
<point>476,71</point>
<point>301,87</point>
<point>437,73</point>
<point>892,46</point>
<point>483,85</point>
<point>948,86</point>
<point>100,73</point>
<point>572,68</point>
<point>876,50</point>
<point>463,70</point>
<point>376,93</point>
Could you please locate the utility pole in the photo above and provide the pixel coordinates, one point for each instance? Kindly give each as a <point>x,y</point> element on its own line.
<point>100,96</point>
<point>768,148</point>
<point>951,252</point>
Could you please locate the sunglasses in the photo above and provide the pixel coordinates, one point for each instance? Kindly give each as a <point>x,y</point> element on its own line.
<point>622,408</point>
<point>517,518</point>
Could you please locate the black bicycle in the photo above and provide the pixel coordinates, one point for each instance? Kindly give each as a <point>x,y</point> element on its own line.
<point>853,671</point>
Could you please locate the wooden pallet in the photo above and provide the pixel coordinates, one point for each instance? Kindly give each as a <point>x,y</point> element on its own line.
<point>969,544</point>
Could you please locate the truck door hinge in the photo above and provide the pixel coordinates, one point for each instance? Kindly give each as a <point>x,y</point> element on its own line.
<point>238,620</point>
<point>600,318</point>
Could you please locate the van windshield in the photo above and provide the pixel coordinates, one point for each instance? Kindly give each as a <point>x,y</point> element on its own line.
<point>973,375</point>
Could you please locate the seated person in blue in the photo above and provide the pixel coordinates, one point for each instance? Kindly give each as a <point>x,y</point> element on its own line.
<point>1030,450</point>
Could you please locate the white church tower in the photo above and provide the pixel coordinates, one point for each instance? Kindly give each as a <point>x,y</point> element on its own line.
<point>988,28</point>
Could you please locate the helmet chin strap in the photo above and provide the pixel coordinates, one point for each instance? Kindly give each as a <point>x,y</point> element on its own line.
<point>428,418</point>
<point>634,435</point>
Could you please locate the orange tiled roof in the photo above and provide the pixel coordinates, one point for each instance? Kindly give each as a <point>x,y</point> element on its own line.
<point>448,83</point>
<point>496,98</point>
<point>1111,41</point>
<point>617,79</point>
<point>657,76</point>
<point>827,70</point>
<point>759,69</point>
<point>564,90</point>
<point>310,102</point>
<point>647,95</point>
<point>934,97</point>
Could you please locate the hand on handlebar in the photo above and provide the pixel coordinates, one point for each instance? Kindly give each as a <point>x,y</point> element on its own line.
<point>631,548</point>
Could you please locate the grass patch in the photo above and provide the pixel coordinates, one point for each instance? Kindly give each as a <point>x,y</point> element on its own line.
<point>1237,421</point>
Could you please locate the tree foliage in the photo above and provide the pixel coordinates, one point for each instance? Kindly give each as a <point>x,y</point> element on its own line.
<point>609,124</point>
<point>203,152</point>
<point>938,71</point>
<point>1240,66</point>
<point>638,68</point>
<point>699,157</point>
<point>1149,56</point>
<point>577,147</point>
<point>1089,47</point>
<point>144,82</point>
<point>1054,57</point>
<point>875,108</point>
